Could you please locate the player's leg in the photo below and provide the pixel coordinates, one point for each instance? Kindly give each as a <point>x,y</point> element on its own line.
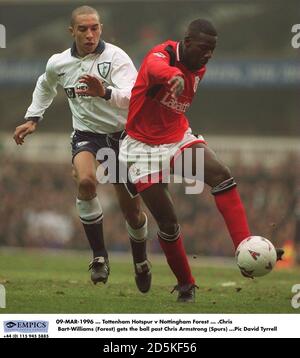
<point>158,200</point>
<point>90,213</point>
<point>225,192</point>
<point>135,218</point>
<point>136,224</point>
<point>226,195</point>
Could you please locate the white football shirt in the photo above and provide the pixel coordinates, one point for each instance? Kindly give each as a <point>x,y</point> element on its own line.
<point>93,114</point>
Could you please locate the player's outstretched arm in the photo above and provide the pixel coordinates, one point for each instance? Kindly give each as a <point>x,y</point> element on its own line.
<point>23,130</point>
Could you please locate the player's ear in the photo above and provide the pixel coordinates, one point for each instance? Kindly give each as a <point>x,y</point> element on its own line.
<point>187,41</point>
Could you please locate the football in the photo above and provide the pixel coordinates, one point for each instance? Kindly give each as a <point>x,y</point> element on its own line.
<point>256,256</point>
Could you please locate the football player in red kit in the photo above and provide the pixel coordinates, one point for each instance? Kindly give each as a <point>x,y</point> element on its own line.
<point>156,124</point>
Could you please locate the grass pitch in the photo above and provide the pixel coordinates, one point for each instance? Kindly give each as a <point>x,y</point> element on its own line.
<point>58,282</point>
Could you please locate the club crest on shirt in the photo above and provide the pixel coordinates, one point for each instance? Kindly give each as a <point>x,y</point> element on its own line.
<point>197,80</point>
<point>134,170</point>
<point>70,92</point>
<point>103,68</point>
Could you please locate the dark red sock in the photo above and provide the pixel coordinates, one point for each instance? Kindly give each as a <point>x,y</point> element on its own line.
<point>177,260</point>
<point>231,207</point>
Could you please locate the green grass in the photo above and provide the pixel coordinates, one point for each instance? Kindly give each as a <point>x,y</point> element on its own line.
<point>58,282</point>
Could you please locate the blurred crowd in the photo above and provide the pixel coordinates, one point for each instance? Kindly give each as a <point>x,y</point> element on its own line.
<point>38,208</point>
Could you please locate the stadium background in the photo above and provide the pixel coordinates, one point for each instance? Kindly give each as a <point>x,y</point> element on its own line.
<point>247,108</point>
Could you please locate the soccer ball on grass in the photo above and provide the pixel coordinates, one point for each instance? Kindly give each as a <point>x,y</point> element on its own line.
<point>256,256</point>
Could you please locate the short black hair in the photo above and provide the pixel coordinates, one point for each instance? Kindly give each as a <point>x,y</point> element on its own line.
<point>201,25</point>
<point>83,10</point>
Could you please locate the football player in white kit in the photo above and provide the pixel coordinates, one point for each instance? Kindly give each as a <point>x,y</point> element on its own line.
<point>97,78</point>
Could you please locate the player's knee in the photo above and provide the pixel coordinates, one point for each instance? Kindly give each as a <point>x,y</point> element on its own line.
<point>134,217</point>
<point>138,230</point>
<point>168,227</point>
<point>223,174</point>
<point>225,184</point>
<point>169,233</point>
<point>87,185</point>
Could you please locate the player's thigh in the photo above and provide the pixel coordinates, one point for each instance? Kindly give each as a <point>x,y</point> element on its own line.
<point>214,170</point>
<point>84,165</point>
<point>159,202</point>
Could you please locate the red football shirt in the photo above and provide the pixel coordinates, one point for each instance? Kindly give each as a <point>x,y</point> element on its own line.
<point>154,116</point>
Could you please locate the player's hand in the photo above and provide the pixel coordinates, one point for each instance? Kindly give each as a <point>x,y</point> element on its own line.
<point>177,86</point>
<point>23,130</point>
<point>94,87</point>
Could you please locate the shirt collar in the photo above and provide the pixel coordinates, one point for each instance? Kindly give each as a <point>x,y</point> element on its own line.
<point>99,49</point>
<point>179,51</point>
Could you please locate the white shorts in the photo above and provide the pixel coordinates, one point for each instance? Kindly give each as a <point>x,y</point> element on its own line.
<point>149,164</point>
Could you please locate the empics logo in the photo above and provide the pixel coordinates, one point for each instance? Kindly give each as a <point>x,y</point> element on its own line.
<point>2,297</point>
<point>296,38</point>
<point>2,36</point>
<point>10,324</point>
<point>26,326</point>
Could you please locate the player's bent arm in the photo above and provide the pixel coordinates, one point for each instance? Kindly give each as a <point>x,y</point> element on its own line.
<point>94,87</point>
<point>158,68</point>
<point>44,92</point>
<point>123,77</point>
<point>176,86</point>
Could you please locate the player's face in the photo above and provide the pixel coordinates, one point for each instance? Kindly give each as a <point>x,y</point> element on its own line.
<point>86,32</point>
<point>198,50</point>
